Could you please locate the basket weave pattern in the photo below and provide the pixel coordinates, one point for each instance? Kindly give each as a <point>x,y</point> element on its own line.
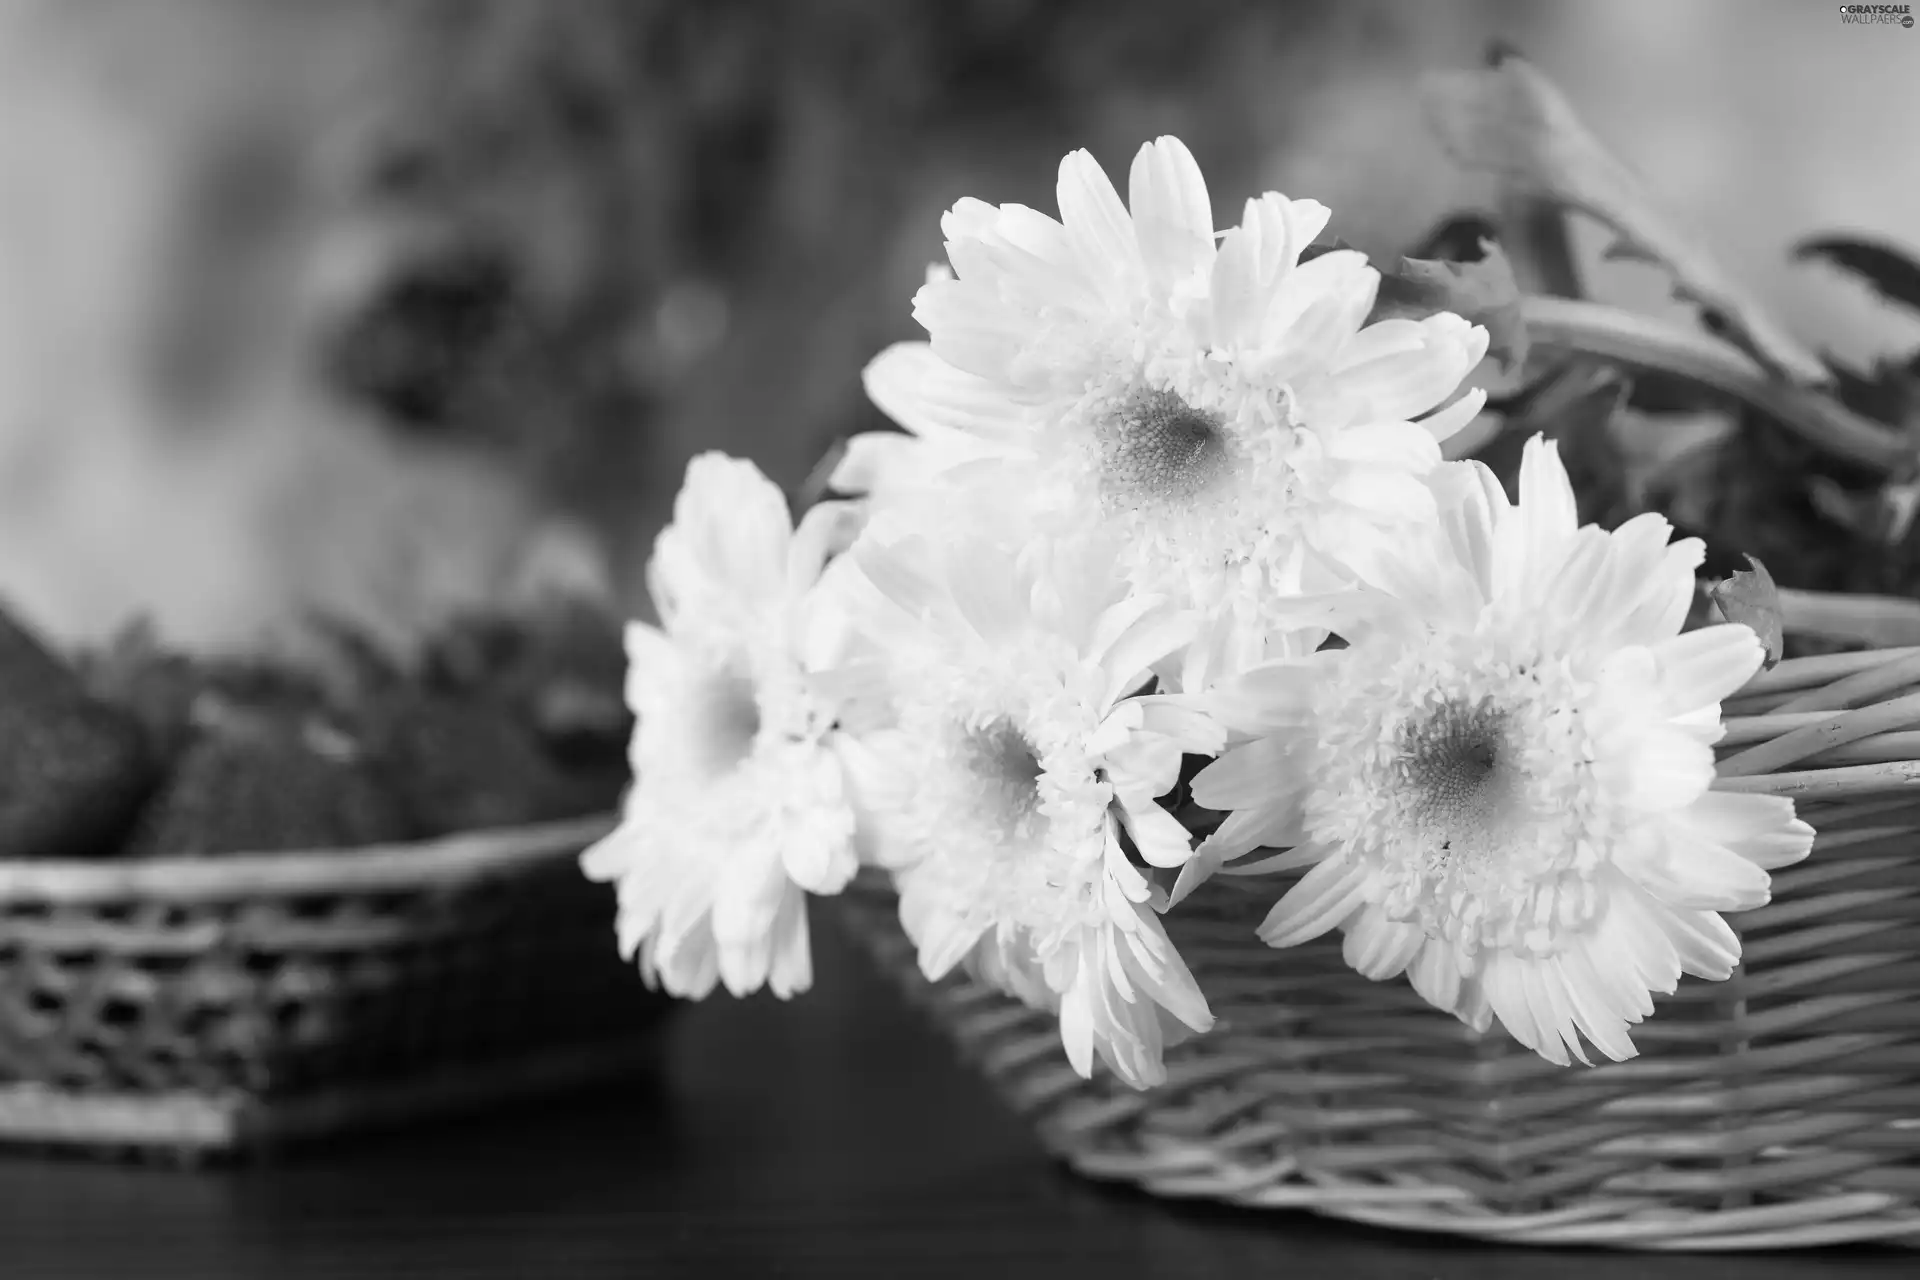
<point>282,978</point>
<point>1780,1108</point>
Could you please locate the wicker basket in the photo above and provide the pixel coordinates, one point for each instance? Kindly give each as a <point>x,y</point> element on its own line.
<point>1780,1108</point>
<point>195,1007</point>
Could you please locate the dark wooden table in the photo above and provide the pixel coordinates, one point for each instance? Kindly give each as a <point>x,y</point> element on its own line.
<point>831,1137</point>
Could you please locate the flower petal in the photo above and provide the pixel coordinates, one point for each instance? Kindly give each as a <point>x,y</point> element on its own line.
<point>1473,506</point>
<point>1272,698</point>
<point>1185,721</point>
<point>970,332</point>
<point>943,405</point>
<point>1471,1006</point>
<point>1546,494</point>
<point>1130,658</point>
<point>1635,566</point>
<point>1399,446</point>
<point>1450,419</point>
<point>1322,307</point>
<point>1265,771</point>
<point>1099,226</point>
<point>1631,933</point>
<point>1526,1014</point>
<point>943,942</point>
<point>790,953</point>
<point>1702,668</point>
<point>1760,828</point>
<point>1157,834</point>
<point>1236,290</point>
<point>746,909</point>
<point>1379,948</point>
<point>1435,976</point>
<point>1592,1000</point>
<point>730,531</point>
<point>880,462</point>
<point>827,529</point>
<point>1270,825</point>
<point>1143,766</point>
<point>1684,871</point>
<point>991,596</point>
<point>1172,214</point>
<point>1323,898</point>
<point>1076,1022</point>
<point>1705,944</point>
<point>1380,340</point>
<point>1167,981</point>
<point>1662,770</point>
<point>1662,610</point>
<point>1401,384</point>
<point>651,657</point>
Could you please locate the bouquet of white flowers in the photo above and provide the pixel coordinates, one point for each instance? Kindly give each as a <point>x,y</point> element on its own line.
<point>1170,636</point>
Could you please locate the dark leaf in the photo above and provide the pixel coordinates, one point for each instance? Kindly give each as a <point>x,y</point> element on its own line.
<point>1703,612</point>
<point>1750,597</point>
<point>1577,410</point>
<point>1893,274</point>
<point>1511,121</point>
<point>1889,392</point>
<point>1671,461</point>
<point>1457,238</point>
<point>1573,407</point>
<point>1538,236</point>
<point>1655,392</point>
<point>1883,515</point>
<point>1481,290</point>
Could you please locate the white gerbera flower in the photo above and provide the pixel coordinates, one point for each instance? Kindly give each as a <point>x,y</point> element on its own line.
<point>1018,756</point>
<point>1211,404</point>
<point>739,801</point>
<point>1502,785</point>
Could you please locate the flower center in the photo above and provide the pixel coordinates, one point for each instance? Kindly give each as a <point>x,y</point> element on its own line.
<point>1460,773</point>
<point>1452,765</point>
<point>729,718</point>
<point>1155,448</point>
<point>1008,770</point>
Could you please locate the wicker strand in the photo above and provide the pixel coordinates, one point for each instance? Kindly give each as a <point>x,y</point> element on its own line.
<point>1810,740</point>
<point>1796,674</point>
<point>1881,680</point>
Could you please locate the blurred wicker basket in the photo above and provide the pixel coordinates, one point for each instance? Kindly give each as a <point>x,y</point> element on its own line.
<point>1778,1109</point>
<point>214,1005</point>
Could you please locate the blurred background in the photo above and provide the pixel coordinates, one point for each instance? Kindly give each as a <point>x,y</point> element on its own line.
<point>376,308</point>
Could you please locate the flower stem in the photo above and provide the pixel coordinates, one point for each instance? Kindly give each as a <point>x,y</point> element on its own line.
<point>1640,342</point>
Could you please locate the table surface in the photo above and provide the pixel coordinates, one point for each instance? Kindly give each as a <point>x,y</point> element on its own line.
<point>834,1136</point>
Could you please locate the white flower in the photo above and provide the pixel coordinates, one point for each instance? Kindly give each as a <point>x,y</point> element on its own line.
<point>739,801</point>
<point>1017,757</point>
<point>1502,785</point>
<point>1211,404</point>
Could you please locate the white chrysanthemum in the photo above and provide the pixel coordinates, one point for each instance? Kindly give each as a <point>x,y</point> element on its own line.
<point>1018,755</point>
<point>1213,405</point>
<point>739,802</point>
<point>1502,785</point>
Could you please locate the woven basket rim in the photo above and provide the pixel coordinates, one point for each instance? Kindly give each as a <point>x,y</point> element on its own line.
<point>365,868</point>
